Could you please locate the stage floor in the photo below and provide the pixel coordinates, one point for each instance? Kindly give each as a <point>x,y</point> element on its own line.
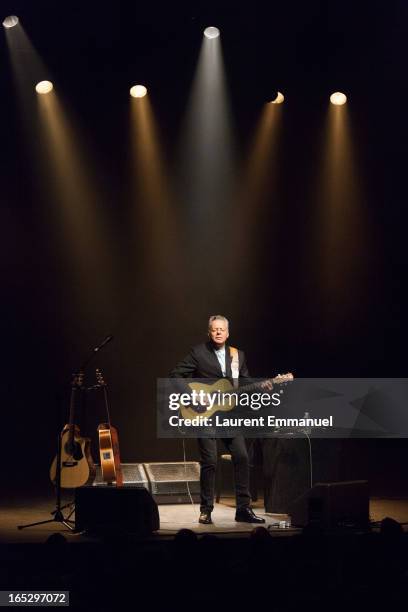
<point>172,519</point>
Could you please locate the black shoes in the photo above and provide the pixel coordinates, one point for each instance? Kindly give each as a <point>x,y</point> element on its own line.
<point>246,515</point>
<point>243,515</point>
<point>205,517</point>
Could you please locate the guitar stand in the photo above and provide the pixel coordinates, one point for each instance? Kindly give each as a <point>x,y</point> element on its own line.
<point>58,518</point>
<point>58,515</point>
<point>68,505</point>
<point>71,506</point>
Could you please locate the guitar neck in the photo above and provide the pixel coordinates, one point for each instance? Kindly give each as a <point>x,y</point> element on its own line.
<point>254,386</point>
<point>105,396</point>
<point>71,416</point>
<point>75,387</point>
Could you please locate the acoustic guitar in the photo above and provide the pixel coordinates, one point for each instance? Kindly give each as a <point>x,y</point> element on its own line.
<point>77,466</point>
<point>109,443</point>
<point>225,395</point>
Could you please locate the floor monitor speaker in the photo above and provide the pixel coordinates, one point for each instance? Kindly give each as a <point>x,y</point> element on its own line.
<point>127,509</point>
<point>332,505</point>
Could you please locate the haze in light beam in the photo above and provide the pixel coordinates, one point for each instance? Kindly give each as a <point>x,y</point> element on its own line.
<point>259,161</point>
<point>74,217</point>
<point>207,170</point>
<point>207,152</point>
<point>255,191</point>
<point>155,218</point>
<point>80,230</point>
<point>27,69</point>
<point>341,231</point>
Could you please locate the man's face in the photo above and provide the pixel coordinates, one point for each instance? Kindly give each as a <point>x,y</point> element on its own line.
<point>218,332</point>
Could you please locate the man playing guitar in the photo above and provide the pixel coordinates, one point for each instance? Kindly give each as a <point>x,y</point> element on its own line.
<point>214,359</point>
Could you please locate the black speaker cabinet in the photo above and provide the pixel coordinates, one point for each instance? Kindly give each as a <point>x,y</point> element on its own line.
<point>128,509</point>
<point>333,505</point>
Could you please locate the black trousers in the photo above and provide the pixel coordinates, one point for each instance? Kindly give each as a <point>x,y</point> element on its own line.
<point>208,461</point>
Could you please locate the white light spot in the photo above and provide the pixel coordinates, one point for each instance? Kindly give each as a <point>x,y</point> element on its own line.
<point>138,91</point>
<point>211,32</point>
<point>44,87</point>
<point>338,98</point>
<point>10,21</point>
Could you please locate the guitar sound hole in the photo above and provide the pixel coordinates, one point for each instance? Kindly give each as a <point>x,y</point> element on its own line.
<point>74,450</point>
<point>200,409</point>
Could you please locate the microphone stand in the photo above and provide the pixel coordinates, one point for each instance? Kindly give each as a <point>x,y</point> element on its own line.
<point>58,516</point>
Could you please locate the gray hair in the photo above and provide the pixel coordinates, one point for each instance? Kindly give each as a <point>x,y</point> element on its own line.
<point>216,318</point>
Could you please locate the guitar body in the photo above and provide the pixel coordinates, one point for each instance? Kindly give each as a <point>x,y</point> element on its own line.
<point>77,466</point>
<point>109,454</point>
<point>225,402</point>
<point>223,385</point>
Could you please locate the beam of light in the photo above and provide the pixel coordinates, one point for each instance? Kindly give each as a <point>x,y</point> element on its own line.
<point>44,87</point>
<point>338,98</point>
<point>64,180</point>
<point>279,98</point>
<point>155,218</point>
<point>258,165</point>
<point>207,158</point>
<point>75,213</point>
<point>138,91</point>
<point>27,66</point>
<point>340,242</point>
<point>10,21</point>
<point>27,70</point>
<point>207,171</point>
<point>256,190</point>
<point>211,32</point>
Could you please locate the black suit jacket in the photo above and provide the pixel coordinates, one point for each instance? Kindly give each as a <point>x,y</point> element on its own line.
<point>202,362</point>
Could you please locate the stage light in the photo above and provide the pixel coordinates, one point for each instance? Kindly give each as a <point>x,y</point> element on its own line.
<point>138,91</point>
<point>279,98</point>
<point>338,98</point>
<point>44,87</point>
<point>10,21</point>
<point>211,32</point>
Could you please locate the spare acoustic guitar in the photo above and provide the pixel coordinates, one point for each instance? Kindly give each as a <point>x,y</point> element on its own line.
<point>109,444</point>
<point>77,466</point>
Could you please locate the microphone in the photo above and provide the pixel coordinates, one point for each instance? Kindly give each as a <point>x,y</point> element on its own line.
<point>102,344</point>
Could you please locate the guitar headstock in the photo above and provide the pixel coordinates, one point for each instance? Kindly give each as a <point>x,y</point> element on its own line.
<point>283,378</point>
<point>99,377</point>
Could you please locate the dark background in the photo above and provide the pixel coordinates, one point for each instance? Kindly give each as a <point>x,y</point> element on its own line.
<point>94,52</point>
